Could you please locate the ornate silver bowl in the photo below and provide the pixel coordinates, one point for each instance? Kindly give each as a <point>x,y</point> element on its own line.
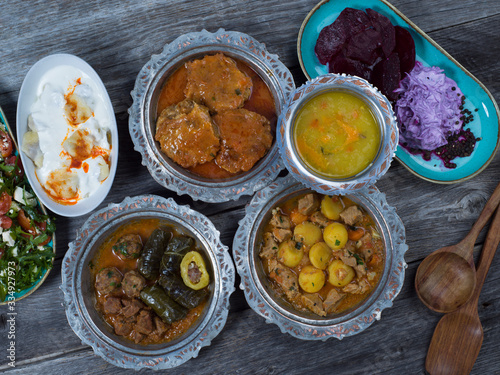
<point>142,120</point>
<point>306,325</point>
<point>79,296</point>
<point>380,107</point>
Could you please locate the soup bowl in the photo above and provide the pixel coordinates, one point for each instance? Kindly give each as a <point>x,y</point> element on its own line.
<point>269,303</point>
<point>146,96</point>
<point>80,297</point>
<point>341,139</point>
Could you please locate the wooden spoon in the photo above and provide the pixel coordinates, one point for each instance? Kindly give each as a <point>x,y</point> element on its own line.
<point>446,278</point>
<point>458,336</point>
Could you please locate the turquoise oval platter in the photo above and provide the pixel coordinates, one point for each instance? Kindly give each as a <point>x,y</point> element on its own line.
<point>26,292</point>
<point>486,123</point>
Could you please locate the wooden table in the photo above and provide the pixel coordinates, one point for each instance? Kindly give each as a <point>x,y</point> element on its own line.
<point>117,37</point>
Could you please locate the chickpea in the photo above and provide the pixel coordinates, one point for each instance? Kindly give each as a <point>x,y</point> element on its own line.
<point>335,235</point>
<point>339,273</point>
<point>311,279</point>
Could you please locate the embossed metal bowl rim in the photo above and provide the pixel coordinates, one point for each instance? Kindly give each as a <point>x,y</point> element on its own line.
<point>382,110</point>
<point>306,325</point>
<point>79,304</point>
<point>145,96</point>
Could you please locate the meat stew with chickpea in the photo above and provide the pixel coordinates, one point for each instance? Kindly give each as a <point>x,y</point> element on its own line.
<point>322,253</point>
<point>139,286</point>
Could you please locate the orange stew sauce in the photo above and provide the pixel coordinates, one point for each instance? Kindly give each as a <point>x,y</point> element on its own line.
<point>350,300</point>
<point>261,101</point>
<point>106,257</point>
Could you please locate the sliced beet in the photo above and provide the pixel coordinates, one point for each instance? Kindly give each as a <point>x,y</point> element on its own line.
<point>332,38</point>
<point>405,48</point>
<point>386,76</point>
<point>364,46</point>
<point>353,20</point>
<point>384,26</point>
<point>330,42</point>
<point>342,64</point>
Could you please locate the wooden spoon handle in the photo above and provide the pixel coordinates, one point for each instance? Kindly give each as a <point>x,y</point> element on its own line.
<point>470,239</point>
<point>487,253</point>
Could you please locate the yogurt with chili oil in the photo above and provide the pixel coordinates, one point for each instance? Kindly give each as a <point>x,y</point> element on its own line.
<point>68,135</point>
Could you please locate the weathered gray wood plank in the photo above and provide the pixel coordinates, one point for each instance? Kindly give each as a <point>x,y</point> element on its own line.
<point>117,38</point>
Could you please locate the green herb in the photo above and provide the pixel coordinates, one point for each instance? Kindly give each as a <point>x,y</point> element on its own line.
<point>91,265</point>
<point>358,259</point>
<point>337,242</point>
<point>24,263</point>
<point>237,91</point>
<point>298,245</point>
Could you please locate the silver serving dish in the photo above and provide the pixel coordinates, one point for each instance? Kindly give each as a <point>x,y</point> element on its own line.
<point>306,325</point>
<point>382,110</point>
<point>148,85</point>
<point>79,298</point>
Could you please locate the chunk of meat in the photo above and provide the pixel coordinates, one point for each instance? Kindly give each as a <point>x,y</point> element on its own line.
<point>160,325</point>
<point>245,138</point>
<point>107,280</point>
<point>349,260</point>
<point>362,286</point>
<point>131,307</point>
<point>365,246</point>
<point>137,337</point>
<point>187,134</point>
<point>269,247</point>
<point>313,302</point>
<point>216,82</point>
<point>332,300</point>
<point>308,204</point>
<point>279,220</point>
<point>133,283</point>
<point>144,322</point>
<point>123,326</point>
<point>360,270</point>
<point>285,278</point>
<point>112,305</point>
<point>282,234</point>
<point>128,246</point>
<point>351,215</point>
<point>194,273</point>
<point>320,219</point>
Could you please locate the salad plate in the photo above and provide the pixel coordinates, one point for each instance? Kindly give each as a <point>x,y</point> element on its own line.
<point>18,282</point>
<point>479,101</point>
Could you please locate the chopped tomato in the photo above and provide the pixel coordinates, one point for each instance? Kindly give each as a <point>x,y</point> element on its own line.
<point>25,223</point>
<point>5,144</point>
<point>5,222</point>
<point>5,203</point>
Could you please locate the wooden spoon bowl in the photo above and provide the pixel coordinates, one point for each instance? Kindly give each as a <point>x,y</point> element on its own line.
<point>445,281</point>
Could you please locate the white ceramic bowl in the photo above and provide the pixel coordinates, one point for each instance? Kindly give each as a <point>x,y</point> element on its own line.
<point>28,95</point>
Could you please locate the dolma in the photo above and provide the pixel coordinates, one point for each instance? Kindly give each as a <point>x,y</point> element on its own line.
<point>180,293</point>
<point>165,307</point>
<point>149,262</point>
<point>175,251</point>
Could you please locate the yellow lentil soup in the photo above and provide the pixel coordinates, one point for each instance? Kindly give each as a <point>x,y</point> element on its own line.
<point>336,134</point>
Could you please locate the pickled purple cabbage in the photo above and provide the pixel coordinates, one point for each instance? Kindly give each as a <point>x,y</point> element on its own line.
<point>428,109</point>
